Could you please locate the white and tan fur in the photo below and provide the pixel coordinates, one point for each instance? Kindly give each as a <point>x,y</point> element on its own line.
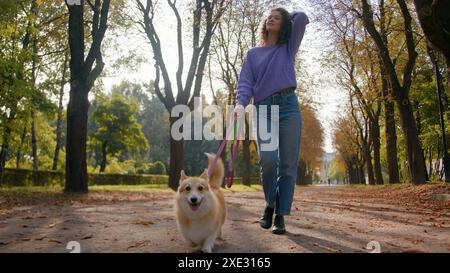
<point>201,224</point>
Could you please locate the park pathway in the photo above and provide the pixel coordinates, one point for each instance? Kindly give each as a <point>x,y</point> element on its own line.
<point>324,219</point>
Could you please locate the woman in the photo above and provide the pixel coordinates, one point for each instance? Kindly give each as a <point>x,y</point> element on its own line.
<point>268,76</point>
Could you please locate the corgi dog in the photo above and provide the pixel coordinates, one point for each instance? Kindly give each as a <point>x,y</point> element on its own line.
<point>200,207</point>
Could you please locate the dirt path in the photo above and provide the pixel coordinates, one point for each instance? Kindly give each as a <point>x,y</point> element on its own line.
<point>324,219</point>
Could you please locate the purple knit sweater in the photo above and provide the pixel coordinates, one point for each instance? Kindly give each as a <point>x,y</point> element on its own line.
<point>268,69</point>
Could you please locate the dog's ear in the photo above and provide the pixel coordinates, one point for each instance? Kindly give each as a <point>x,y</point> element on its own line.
<point>204,175</point>
<point>183,176</point>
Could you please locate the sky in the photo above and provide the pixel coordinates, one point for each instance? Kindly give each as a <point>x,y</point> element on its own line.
<point>328,96</point>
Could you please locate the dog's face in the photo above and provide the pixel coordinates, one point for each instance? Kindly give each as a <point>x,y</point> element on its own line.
<point>194,194</point>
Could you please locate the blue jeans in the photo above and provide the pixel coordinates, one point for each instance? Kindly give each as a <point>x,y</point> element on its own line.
<point>278,167</point>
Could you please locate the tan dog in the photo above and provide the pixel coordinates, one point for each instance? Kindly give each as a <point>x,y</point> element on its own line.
<point>200,207</point>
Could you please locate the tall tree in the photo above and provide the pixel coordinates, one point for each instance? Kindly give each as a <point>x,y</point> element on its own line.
<point>400,86</point>
<point>117,128</point>
<point>186,92</point>
<point>388,103</point>
<point>434,17</point>
<point>311,145</point>
<point>82,77</point>
<point>346,139</point>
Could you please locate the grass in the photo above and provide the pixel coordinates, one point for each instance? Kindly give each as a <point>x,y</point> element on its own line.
<point>396,186</point>
<point>31,190</point>
<point>243,188</point>
<point>132,188</point>
<point>28,191</point>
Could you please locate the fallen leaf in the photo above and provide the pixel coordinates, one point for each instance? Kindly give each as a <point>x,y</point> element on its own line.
<point>87,237</point>
<point>145,223</point>
<point>139,244</point>
<point>54,241</point>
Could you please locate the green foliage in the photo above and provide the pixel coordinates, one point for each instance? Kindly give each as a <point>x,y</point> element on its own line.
<point>157,168</point>
<point>117,128</point>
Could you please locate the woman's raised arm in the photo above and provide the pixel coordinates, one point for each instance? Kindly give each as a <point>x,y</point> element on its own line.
<point>299,22</point>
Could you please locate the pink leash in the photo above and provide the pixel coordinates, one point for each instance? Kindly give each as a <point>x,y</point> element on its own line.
<point>229,173</point>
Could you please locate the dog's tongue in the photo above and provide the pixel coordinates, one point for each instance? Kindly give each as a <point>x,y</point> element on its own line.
<point>194,207</point>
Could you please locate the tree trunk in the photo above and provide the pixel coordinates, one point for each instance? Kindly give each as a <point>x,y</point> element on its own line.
<point>5,149</point>
<point>448,74</point>
<point>77,117</point>
<point>82,78</point>
<point>362,179</point>
<point>389,115</point>
<point>375,132</point>
<point>19,150</point>
<point>301,173</point>
<point>34,141</point>
<point>103,164</point>
<point>5,143</point>
<point>59,119</point>
<point>353,172</point>
<point>33,112</point>
<point>414,151</point>
<point>391,142</point>
<point>430,160</point>
<point>419,130</point>
<point>34,148</point>
<point>369,166</point>
<point>176,159</point>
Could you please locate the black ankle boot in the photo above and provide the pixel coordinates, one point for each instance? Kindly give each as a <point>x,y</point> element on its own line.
<point>278,226</point>
<point>266,220</point>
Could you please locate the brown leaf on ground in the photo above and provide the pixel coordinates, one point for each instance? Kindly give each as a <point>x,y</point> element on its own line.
<point>138,244</point>
<point>54,241</point>
<point>145,223</point>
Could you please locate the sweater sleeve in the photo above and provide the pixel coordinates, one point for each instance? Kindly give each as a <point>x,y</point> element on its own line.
<point>299,22</point>
<point>245,83</point>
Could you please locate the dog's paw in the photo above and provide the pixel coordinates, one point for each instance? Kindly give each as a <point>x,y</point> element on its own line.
<point>207,249</point>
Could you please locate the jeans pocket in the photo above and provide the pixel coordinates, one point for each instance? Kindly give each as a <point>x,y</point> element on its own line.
<point>292,102</point>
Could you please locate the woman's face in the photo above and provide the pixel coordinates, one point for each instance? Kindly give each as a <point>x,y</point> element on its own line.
<point>274,21</point>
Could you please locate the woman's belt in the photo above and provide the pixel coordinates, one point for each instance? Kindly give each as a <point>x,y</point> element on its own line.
<point>285,90</point>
